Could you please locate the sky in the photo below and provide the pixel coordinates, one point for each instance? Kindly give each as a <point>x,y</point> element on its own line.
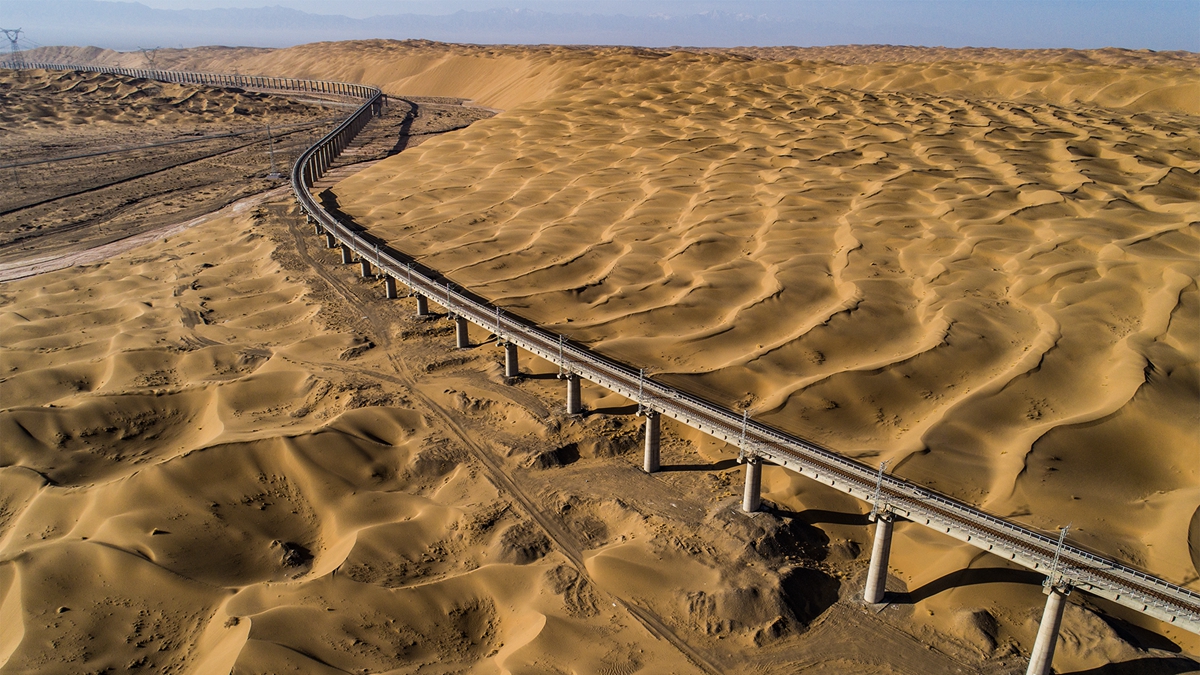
<point>365,8</point>
<point>1081,24</point>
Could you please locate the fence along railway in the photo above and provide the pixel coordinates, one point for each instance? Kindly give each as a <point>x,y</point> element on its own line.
<point>152,170</point>
<point>1067,567</point>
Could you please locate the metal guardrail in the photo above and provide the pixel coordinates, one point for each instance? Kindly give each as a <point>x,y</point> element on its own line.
<point>1080,568</point>
<point>213,79</point>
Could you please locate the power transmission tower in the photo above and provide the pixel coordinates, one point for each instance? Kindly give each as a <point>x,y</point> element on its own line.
<point>15,60</point>
<point>149,53</point>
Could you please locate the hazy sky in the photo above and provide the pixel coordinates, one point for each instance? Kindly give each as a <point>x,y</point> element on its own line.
<point>1134,24</point>
<point>1104,9</point>
<point>1080,24</point>
<point>365,8</point>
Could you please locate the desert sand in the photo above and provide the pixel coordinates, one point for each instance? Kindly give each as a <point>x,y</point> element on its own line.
<point>999,298</point>
<point>503,77</point>
<point>95,159</point>
<point>90,159</point>
<point>980,265</point>
<point>224,451</point>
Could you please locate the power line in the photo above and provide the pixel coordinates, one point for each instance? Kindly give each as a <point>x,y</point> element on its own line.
<point>14,35</point>
<point>150,53</point>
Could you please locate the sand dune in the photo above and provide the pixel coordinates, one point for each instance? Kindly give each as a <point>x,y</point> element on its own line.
<point>998,297</point>
<point>192,454</point>
<point>235,456</point>
<point>223,452</point>
<point>34,99</point>
<point>860,54</point>
<point>93,158</point>
<point>503,77</point>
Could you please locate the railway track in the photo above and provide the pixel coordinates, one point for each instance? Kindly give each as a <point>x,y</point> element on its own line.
<point>1035,550</point>
<point>161,144</point>
<point>1082,569</point>
<point>154,171</point>
<point>1070,564</point>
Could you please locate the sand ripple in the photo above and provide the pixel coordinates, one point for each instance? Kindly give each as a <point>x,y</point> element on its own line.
<point>999,296</point>
<point>37,99</point>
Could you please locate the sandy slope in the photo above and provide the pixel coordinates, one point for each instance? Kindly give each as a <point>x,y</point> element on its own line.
<point>191,455</point>
<point>998,298</point>
<point>224,451</point>
<point>32,99</point>
<point>506,76</point>
<point>93,158</point>
<point>955,266</point>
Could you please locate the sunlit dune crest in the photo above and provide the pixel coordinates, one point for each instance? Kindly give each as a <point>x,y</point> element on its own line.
<point>998,296</point>
<point>225,451</point>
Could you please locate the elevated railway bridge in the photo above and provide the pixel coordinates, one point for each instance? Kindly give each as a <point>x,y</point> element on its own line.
<point>1067,567</point>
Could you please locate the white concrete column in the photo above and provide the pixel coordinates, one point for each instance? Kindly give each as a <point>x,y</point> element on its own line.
<point>422,305</point>
<point>1042,655</point>
<point>389,287</point>
<point>653,434</point>
<point>880,552</point>
<point>752,497</point>
<point>574,402</point>
<point>365,266</point>
<point>330,240</point>
<point>511,369</point>
<point>347,255</point>
<point>460,332</point>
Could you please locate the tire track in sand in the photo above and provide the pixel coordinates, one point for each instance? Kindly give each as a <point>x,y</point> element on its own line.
<point>554,530</point>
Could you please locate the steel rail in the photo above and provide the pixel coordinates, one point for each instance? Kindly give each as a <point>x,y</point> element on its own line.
<point>145,174</point>
<point>288,128</point>
<point>215,79</point>
<point>1082,569</point>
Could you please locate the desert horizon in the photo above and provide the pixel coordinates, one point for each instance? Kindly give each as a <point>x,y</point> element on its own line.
<point>225,451</point>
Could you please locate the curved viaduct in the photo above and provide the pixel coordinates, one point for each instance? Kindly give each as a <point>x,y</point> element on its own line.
<point>1067,567</point>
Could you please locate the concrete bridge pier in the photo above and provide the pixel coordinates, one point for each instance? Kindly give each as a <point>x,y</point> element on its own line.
<point>511,369</point>
<point>389,287</point>
<point>1043,648</point>
<point>366,268</point>
<point>574,400</point>
<point>330,240</point>
<point>460,332</point>
<point>880,552</point>
<point>347,255</point>
<point>650,463</point>
<point>422,305</point>
<point>752,496</point>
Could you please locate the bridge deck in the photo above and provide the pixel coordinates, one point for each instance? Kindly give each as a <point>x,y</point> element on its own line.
<point>1035,550</point>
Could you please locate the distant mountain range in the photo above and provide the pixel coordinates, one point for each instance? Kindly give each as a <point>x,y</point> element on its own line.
<point>1062,23</point>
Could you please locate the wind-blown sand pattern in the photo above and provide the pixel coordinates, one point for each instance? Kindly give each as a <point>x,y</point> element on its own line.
<point>999,298</point>
<point>503,76</point>
<point>90,159</point>
<point>224,451</point>
<point>34,99</point>
<point>236,456</point>
<point>203,469</point>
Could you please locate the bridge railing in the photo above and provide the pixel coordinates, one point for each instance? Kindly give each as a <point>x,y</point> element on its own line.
<point>1080,567</point>
<point>213,79</point>
<point>1076,565</point>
